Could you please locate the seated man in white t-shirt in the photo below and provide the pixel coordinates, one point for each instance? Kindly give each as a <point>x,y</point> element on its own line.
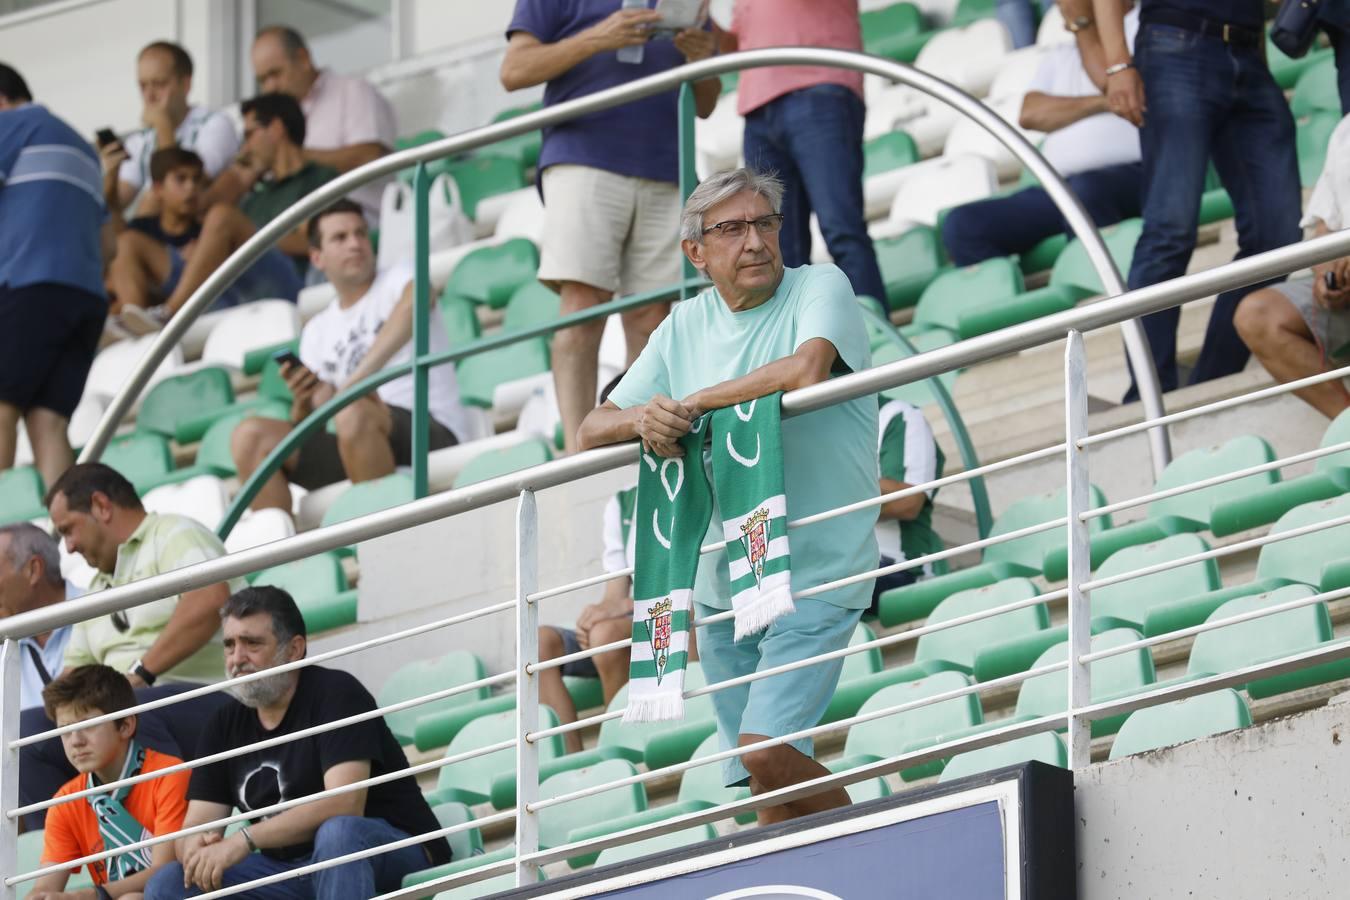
<point>1301,328</point>
<point>368,326</point>
<point>1096,151</point>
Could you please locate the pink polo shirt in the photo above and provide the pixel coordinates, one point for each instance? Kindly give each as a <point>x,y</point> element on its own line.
<point>794,23</point>
<point>341,110</point>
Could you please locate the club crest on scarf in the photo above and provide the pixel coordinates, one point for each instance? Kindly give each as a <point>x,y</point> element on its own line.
<point>755,540</point>
<point>659,632</point>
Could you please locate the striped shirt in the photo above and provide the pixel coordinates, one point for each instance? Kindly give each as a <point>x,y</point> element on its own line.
<point>908,454</point>
<point>162,543</point>
<point>209,134</point>
<point>51,203</point>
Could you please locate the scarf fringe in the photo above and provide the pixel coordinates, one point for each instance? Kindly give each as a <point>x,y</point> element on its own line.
<point>759,614</point>
<point>664,706</point>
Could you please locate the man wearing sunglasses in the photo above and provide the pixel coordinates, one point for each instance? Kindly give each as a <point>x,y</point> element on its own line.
<point>759,329</point>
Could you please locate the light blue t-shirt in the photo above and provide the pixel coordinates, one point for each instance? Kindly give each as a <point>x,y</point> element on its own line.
<point>829,456</point>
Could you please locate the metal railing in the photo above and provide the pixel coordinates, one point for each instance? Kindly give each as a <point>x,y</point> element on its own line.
<point>528,594</point>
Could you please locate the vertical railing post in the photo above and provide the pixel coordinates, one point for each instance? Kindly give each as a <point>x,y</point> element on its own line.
<point>1080,549</point>
<point>9,764</point>
<point>527,686</point>
<point>688,171</point>
<point>421,440</point>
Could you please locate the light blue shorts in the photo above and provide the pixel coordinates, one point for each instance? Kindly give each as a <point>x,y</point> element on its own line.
<point>780,704</point>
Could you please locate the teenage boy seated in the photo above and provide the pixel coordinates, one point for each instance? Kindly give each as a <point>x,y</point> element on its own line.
<point>162,259</point>
<point>102,754</point>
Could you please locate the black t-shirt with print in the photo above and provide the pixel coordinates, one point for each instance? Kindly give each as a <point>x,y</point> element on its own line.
<point>296,768</point>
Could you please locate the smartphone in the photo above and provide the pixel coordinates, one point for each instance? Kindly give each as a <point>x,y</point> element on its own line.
<point>106,136</point>
<point>1330,279</point>
<point>287,357</point>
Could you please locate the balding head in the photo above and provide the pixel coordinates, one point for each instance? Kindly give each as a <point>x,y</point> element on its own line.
<point>281,62</point>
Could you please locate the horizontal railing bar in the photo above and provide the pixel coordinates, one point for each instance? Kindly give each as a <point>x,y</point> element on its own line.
<point>1217,552</point>
<point>458,879</point>
<point>876,769</point>
<point>222,823</point>
<point>840,725</point>
<point>323,728</point>
<point>1180,633</point>
<point>880,500</point>
<point>1216,406</point>
<point>1306,456</point>
<point>264,673</point>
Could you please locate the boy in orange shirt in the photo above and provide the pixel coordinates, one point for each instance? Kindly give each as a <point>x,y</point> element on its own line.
<point>102,754</point>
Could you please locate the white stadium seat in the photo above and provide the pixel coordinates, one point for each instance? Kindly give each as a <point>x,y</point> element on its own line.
<point>491,209</point>
<point>717,139</point>
<point>261,323</point>
<point>935,12</point>
<point>933,185</point>
<point>114,363</point>
<point>202,498</point>
<point>1015,72</point>
<point>259,526</point>
<point>967,57</point>
<point>522,217</point>
<point>969,138</point>
<point>449,227</point>
<point>888,109</point>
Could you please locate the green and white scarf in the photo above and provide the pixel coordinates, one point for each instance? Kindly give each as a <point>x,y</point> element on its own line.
<point>674,503</point>
<point>118,827</point>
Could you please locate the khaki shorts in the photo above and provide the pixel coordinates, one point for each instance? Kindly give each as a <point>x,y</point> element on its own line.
<point>613,232</point>
<point>1330,328</point>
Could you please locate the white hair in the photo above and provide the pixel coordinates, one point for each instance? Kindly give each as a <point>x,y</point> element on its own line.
<point>721,187</point>
<point>26,541</point>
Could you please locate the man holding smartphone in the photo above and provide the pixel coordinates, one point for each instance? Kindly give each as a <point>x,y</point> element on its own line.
<point>1302,327</point>
<point>367,327</point>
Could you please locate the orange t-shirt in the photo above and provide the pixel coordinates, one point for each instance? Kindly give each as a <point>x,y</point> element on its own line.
<point>159,804</point>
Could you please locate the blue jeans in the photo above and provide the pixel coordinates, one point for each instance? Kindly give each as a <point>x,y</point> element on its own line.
<point>336,837</point>
<point>1019,17</point>
<point>1002,226</point>
<point>273,276</point>
<point>812,139</point>
<point>1208,100</point>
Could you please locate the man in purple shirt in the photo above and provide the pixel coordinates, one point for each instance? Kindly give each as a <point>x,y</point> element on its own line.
<point>610,179</point>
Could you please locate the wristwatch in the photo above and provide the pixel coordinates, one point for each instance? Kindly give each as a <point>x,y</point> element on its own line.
<point>140,671</point>
<point>1078,23</point>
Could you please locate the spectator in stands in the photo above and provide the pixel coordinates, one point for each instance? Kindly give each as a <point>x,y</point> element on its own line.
<point>347,122</point>
<point>54,235</point>
<point>102,753</point>
<point>264,629</point>
<point>1302,327</point>
<point>367,326</point>
<point>1187,117</point>
<point>908,455</point>
<point>806,124</point>
<point>609,179</point>
<point>762,328</point>
<point>1097,152</point>
<point>164,73</point>
<point>30,579</point>
<point>177,639</point>
<point>162,259</point>
<point>1019,17</point>
<point>274,138</point>
<point>599,624</point>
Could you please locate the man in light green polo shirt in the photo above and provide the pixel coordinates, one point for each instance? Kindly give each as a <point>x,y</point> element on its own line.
<point>174,639</point>
<point>760,329</point>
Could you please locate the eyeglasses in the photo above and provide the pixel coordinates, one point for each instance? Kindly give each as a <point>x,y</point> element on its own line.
<point>738,228</point>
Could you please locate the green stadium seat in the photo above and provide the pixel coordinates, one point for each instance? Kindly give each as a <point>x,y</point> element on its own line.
<point>367,497</point>
<point>21,493</point>
<point>484,175</point>
<point>1128,602</point>
<point>1186,512</point>
<point>896,31</point>
<point>999,658</point>
<point>319,587</point>
<point>860,665</point>
<point>492,885</point>
<point>479,375</point>
<point>495,463</point>
<point>1185,613</point>
<point>557,822</point>
<point>1021,556</point>
<point>491,275</point>
<point>951,294</point>
<point>1287,70</point>
<point>30,858</point>
<point>463,844</point>
<point>143,457</point>
<point>1042,257</point>
<point>1312,133</point>
<point>959,644</point>
<point>1181,721</point>
<point>889,151</point>
<point>471,781</point>
<point>179,399</point>
<point>1316,90</point>
<point>1046,747</point>
<point>523,148</point>
<point>860,791</point>
<point>968,11</point>
<point>459,317</point>
<point>1261,640</point>
<point>916,728</point>
<point>1306,559</point>
<point>659,844</point>
<point>423,676</point>
<point>408,141</point>
<point>1074,270</point>
<point>213,453</point>
<point>908,263</point>
<point>918,393</point>
<point>1260,506</point>
<point>1111,677</point>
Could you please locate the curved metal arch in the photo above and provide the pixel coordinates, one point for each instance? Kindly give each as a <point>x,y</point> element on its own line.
<point>1136,345</point>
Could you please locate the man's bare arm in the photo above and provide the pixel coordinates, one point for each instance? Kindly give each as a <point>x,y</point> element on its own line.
<point>344,159</point>
<point>1047,112</point>
<point>529,61</point>
<point>904,509</point>
<point>810,364</point>
<point>195,619</point>
<point>393,335</point>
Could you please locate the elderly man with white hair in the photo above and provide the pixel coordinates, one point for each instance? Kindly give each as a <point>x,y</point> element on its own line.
<point>759,329</point>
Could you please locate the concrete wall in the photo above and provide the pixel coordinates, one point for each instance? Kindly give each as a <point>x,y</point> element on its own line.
<point>1250,815</point>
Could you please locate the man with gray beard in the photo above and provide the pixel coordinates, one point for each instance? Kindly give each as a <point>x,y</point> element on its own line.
<point>263,629</point>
